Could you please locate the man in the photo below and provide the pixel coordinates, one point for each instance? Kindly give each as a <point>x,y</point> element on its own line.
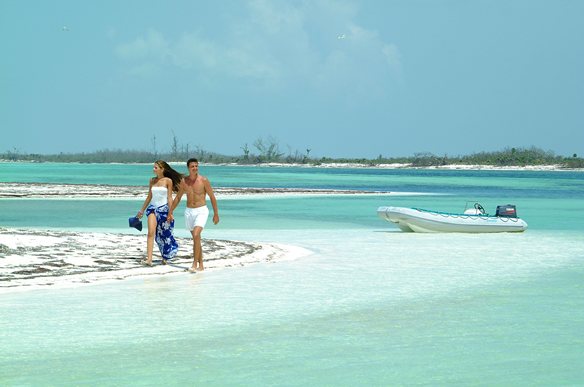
<point>197,187</point>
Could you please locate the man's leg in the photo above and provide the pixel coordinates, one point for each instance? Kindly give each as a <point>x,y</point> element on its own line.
<point>197,248</point>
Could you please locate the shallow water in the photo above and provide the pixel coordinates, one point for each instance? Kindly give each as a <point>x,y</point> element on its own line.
<point>370,306</point>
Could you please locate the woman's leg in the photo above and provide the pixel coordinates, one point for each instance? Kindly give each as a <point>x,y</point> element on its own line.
<point>150,241</point>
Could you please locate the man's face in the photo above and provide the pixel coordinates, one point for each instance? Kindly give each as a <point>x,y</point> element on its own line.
<point>194,168</point>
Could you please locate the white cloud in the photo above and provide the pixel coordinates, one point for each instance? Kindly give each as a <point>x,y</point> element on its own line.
<point>393,58</point>
<point>274,17</point>
<point>191,50</point>
<point>151,46</point>
<point>279,43</point>
<point>245,64</point>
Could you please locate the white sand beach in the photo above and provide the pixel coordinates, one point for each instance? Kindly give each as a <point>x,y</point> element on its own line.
<point>103,191</point>
<point>32,259</point>
<point>468,167</point>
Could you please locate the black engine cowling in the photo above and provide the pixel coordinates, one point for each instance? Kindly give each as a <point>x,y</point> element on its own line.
<point>507,211</point>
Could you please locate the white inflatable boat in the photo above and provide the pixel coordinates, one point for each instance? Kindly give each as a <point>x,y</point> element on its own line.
<point>473,220</point>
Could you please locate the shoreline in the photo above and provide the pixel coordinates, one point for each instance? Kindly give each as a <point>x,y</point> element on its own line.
<point>107,191</point>
<point>453,167</point>
<point>46,259</point>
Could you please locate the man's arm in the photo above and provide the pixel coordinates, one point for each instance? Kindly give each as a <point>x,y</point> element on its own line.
<point>209,191</point>
<point>179,194</point>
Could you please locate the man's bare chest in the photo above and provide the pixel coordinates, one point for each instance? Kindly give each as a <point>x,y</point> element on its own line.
<point>195,187</point>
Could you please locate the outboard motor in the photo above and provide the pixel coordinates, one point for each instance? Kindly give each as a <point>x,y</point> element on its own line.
<point>506,211</point>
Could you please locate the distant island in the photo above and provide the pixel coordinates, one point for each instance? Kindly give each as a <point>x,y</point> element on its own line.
<point>268,152</point>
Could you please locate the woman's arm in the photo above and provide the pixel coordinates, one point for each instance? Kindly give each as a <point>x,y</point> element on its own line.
<point>169,198</point>
<point>146,202</point>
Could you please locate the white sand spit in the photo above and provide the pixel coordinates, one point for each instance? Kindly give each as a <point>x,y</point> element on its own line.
<point>31,259</point>
<point>100,191</point>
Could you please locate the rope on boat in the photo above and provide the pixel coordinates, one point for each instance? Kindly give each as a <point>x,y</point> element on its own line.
<point>472,217</point>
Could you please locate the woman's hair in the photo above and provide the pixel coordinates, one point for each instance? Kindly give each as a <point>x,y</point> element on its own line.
<point>170,173</point>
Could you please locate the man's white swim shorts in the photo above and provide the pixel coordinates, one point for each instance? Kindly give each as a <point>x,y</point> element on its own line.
<point>196,217</point>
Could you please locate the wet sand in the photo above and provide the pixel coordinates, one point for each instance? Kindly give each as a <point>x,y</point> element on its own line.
<point>31,259</point>
<point>101,191</point>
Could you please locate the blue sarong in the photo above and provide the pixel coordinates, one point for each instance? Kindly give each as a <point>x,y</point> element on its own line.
<point>164,238</point>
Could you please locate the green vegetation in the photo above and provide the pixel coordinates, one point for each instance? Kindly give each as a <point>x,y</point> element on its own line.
<point>268,151</point>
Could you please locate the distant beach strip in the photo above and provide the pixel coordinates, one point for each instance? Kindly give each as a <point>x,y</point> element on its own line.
<point>31,259</point>
<point>102,191</point>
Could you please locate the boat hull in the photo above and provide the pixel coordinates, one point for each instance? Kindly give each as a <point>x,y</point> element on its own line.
<point>417,220</point>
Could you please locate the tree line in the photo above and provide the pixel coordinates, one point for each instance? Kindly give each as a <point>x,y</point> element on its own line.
<point>268,150</point>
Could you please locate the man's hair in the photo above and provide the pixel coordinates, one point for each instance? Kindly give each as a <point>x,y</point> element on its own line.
<point>192,160</point>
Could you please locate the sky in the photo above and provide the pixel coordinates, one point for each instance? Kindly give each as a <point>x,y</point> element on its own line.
<point>345,78</point>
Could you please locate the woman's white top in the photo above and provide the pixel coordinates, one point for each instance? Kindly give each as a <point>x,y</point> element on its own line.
<point>159,196</point>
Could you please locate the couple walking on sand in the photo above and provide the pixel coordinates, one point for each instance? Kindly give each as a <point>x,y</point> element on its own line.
<point>159,206</point>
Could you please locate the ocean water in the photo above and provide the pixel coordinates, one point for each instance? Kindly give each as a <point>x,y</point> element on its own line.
<point>370,305</point>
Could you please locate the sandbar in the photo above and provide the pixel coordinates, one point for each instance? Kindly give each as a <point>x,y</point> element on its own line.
<point>32,259</point>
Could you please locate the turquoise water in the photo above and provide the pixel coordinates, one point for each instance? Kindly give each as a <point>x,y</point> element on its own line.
<point>370,306</point>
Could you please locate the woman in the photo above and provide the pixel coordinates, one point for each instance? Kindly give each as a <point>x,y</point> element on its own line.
<point>159,213</point>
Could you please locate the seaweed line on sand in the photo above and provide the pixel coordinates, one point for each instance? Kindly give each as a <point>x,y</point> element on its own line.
<point>35,258</point>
